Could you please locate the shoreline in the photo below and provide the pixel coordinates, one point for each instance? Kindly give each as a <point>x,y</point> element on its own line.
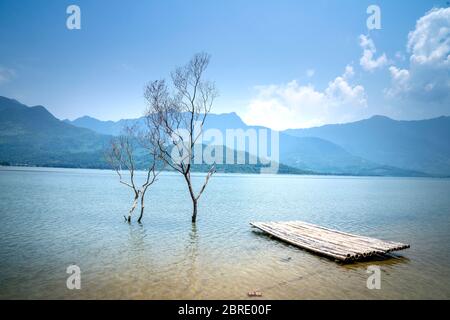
<point>241,173</point>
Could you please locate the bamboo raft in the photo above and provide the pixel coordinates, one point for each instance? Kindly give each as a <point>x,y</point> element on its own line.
<point>331,243</point>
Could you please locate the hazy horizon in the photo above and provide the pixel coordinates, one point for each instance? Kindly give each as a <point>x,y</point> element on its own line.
<point>229,113</point>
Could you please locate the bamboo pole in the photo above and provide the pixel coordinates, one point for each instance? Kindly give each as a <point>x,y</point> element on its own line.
<point>328,242</point>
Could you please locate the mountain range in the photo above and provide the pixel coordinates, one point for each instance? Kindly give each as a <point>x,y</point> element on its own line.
<point>422,145</point>
<point>377,146</point>
<point>32,136</point>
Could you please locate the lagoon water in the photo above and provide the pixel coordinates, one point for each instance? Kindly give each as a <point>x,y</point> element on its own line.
<point>53,218</point>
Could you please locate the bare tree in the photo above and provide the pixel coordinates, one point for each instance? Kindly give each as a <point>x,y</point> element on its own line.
<point>176,115</point>
<point>121,157</point>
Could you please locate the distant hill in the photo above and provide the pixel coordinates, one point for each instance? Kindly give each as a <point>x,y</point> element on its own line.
<point>315,154</point>
<point>114,128</point>
<point>33,136</point>
<point>319,155</point>
<point>422,145</point>
<point>376,146</point>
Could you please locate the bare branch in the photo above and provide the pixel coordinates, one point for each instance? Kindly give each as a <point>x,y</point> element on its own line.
<point>184,106</point>
<point>211,171</point>
<point>122,155</point>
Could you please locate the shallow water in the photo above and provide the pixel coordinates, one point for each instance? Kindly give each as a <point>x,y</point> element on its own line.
<point>52,218</point>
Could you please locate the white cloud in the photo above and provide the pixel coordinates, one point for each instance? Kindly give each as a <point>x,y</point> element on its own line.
<point>429,64</point>
<point>400,80</point>
<point>368,62</point>
<point>349,72</point>
<point>6,74</point>
<point>399,75</point>
<point>340,92</point>
<point>293,105</point>
<point>429,43</point>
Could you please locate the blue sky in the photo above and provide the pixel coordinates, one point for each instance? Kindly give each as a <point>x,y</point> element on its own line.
<point>276,63</point>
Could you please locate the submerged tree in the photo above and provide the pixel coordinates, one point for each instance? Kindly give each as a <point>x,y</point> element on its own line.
<point>122,158</point>
<point>175,118</point>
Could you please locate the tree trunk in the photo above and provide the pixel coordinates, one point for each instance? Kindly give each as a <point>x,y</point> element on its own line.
<point>136,197</point>
<point>142,207</point>
<point>194,212</point>
<point>187,177</point>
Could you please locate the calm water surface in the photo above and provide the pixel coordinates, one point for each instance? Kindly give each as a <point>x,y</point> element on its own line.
<point>52,218</point>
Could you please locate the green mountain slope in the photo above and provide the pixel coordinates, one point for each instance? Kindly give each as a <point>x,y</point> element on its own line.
<point>33,136</point>
<point>308,153</point>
